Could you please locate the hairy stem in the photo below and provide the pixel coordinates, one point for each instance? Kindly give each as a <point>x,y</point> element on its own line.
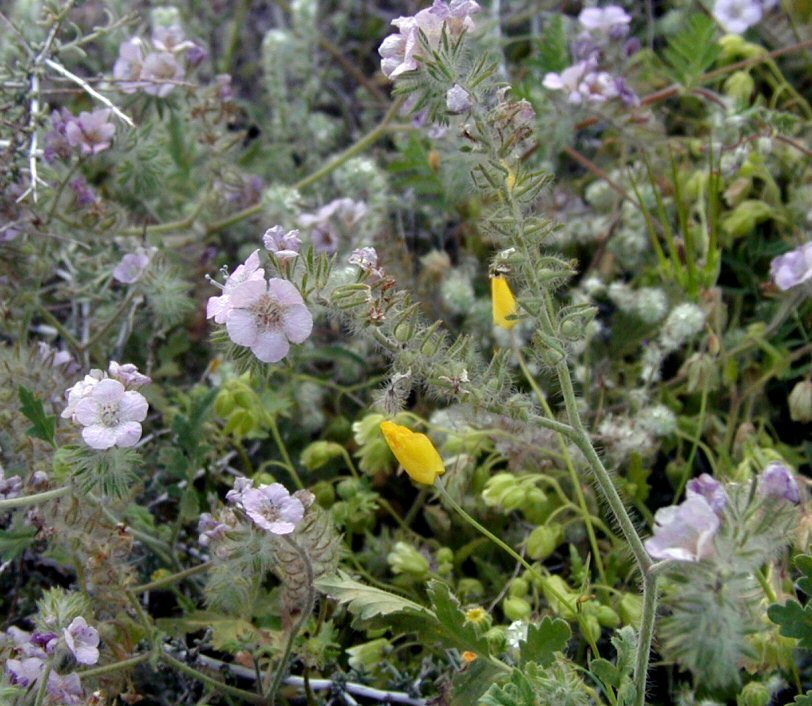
<point>36,499</point>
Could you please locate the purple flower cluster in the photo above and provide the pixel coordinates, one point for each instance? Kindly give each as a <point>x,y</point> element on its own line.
<point>367,260</point>
<point>108,407</point>
<point>89,132</point>
<point>736,16</point>
<point>686,532</point>
<point>263,315</point>
<point>792,268</point>
<point>271,508</point>
<point>285,245</point>
<point>33,651</point>
<point>586,81</point>
<point>155,68</point>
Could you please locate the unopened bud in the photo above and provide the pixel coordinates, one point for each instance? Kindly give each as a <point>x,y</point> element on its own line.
<point>800,402</point>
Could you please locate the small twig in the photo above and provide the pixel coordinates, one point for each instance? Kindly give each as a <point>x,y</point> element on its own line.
<point>89,90</point>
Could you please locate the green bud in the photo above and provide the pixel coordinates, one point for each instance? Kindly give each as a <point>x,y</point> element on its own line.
<point>800,402</point>
<point>702,372</point>
<point>405,559</point>
<point>591,628</point>
<point>753,694</point>
<point>320,453</point>
<point>497,638</point>
<point>349,487</point>
<point>368,655</point>
<point>351,296</point>
<point>224,404</point>
<point>740,86</point>
<point>445,555</point>
<point>631,609</point>
<point>607,617</point>
<point>513,498</point>
<point>496,487</point>
<point>324,492</point>
<point>543,541</point>
<point>519,587</point>
<point>516,608</point>
<point>247,399</point>
<point>745,217</point>
<point>164,16</point>
<point>469,589</point>
<point>241,422</point>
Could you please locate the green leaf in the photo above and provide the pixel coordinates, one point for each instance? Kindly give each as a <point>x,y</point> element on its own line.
<point>366,602</point>
<point>803,563</point>
<point>794,620</point>
<point>458,631</point>
<point>15,542</point>
<point>692,50</point>
<point>228,632</point>
<point>544,639</point>
<point>44,425</point>
<point>517,692</point>
<point>468,685</point>
<point>606,672</point>
<point>552,46</point>
<point>803,699</point>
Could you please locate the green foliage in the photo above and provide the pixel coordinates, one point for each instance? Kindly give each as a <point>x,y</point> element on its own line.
<point>692,50</point>
<point>44,425</point>
<point>517,692</point>
<point>110,472</point>
<point>552,47</point>
<point>13,542</point>
<point>794,619</point>
<point>544,639</point>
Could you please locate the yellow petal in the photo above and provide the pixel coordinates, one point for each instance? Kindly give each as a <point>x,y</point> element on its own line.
<point>504,303</point>
<point>414,451</point>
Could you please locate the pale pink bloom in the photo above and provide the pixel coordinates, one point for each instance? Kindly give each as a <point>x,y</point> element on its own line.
<point>684,532</point>
<point>65,690</point>
<point>598,87</point>
<point>272,508</point>
<point>736,16</point>
<point>83,641</point>
<point>218,307</point>
<point>133,265</point>
<point>710,489</point>
<point>569,80</point>
<point>241,485</point>
<point>79,391</point>
<point>128,375</point>
<point>777,481</point>
<point>607,20</point>
<point>24,672</point>
<point>210,530</point>
<point>160,72</point>
<point>398,51</point>
<point>367,260</point>
<point>91,132</point>
<point>792,268</point>
<point>111,415</point>
<point>171,39</point>
<point>49,354</point>
<point>267,317</point>
<point>127,69</point>
<point>284,245</point>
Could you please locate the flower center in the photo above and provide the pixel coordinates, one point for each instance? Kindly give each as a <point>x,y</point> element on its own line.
<point>268,313</point>
<point>109,414</point>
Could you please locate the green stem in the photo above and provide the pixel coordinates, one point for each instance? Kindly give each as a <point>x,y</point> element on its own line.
<point>116,666</point>
<point>173,578</point>
<point>211,682</point>
<point>280,444</point>
<point>35,499</point>
<point>43,685</point>
<point>645,636</point>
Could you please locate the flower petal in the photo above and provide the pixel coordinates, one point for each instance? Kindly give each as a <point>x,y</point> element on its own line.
<point>284,292</point>
<point>242,327</point>
<point>126,434</point>
<point>133,407</point>
<point>298,323</point>
<point>271,346</point>
<point>99,437</point>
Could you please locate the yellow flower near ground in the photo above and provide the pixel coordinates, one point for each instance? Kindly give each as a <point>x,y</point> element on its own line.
<point>504,303</point>
<point>414,451</point>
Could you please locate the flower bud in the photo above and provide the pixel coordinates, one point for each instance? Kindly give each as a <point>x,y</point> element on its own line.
<point>631,609</point>
<point>543,541</point>
<point>519,587</point>
<point>607,617</point>
<point>479,617</point>
<point>702,372</point>
<point>753,694</point>
<point>224,404</point>
<point>324,492</point>
<point>740,86</point>
<point>497,639</point>
<point>591,628</point>
<point>469,589</point>
<point>350,296</point>
<point>405,559</point>
<point>320,453</point>
<point>800,402</point>
<point>445,555</point>
<point>516,608</point>
<point>368,655</point>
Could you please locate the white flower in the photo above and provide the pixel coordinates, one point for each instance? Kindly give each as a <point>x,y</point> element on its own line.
<point>267,316</point>
<point>80,390</point>
<point>569,80</point>
<point>218,307</point>
<point>737,15</point>
<point>604,20</point>
<point>111,415</point>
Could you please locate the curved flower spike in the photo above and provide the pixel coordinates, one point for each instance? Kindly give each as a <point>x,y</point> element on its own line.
<point>504,303</point>
<point>415,452</point>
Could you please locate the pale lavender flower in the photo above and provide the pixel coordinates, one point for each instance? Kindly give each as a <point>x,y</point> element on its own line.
<point>218,307</point>
<point>84,193</point>
<point>598,87</point>
<point>210,530</point>
<point>24,672</point>
<point>457,99</point>
<point>66,690</point>
<point>711,489</point>
<point>91,132</point>
<point>367,260</point>
<point>132,266</point>
<point>398,51</point>
<point>83,641</point>
<point>684,532</point>
<point>569,80</point>
<point>736,16</point>
<point>53,357</point>
<point>272,508</point>
<point>792,268</point>
<point>344,213</point>
<point>610,20</point>
<point>285,245</point>
<point>128,375</point>
<point>111,415</point>
<point>777,481</point>
<point>196,55</point>
<point>127,69</point>
<point>46,642</point>
<point>55,140</point>
<point>170,39</point>
<point>79,391</point>
<point>160,72</point>
<point>267,317</point>
<point>10,487</point>
<point>625,93</point>
<point>241,485</point>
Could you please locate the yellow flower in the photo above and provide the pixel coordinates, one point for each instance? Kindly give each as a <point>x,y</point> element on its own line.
<point>504,303</point>
<point>414,451</point>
